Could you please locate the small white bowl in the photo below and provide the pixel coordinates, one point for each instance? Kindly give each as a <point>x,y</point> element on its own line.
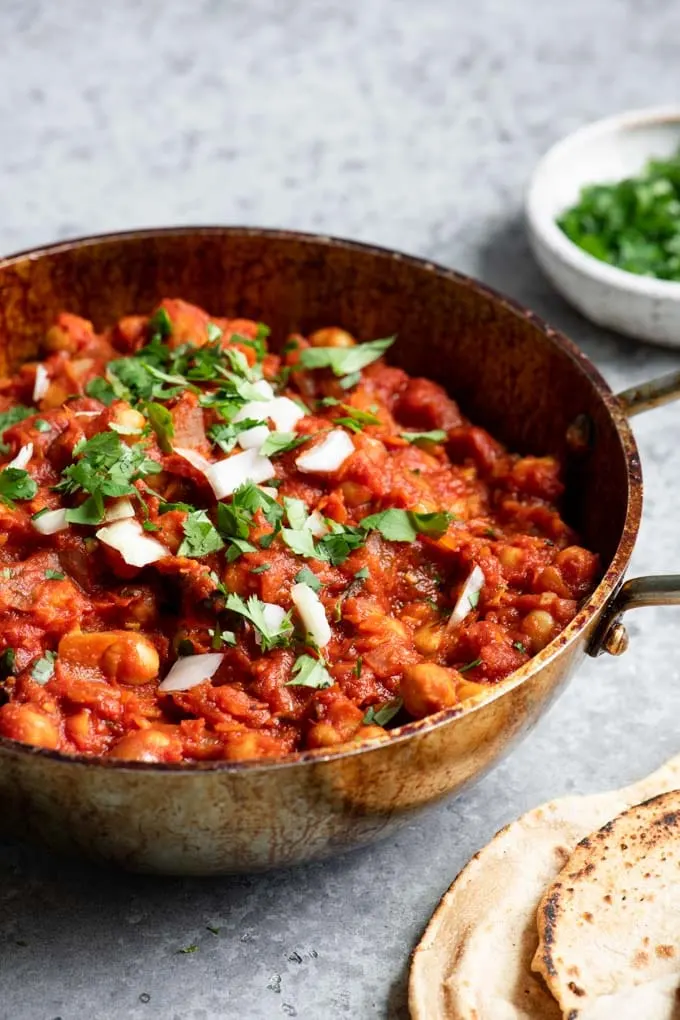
<point>605,151</point>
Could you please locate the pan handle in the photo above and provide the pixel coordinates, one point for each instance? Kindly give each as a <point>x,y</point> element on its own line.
<point>654,393</point>
<point>610,635</point>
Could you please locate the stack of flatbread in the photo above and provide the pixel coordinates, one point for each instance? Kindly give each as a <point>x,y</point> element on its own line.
<point>570,913</point>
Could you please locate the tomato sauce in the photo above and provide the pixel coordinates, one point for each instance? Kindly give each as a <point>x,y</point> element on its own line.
<point>212,551</point>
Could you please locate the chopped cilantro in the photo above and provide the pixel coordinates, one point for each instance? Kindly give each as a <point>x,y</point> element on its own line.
<point>308,577</point>
<point>406,525</point>
<point>355,418</point>
<point>105,467</point>
<point>15,483</point>
<point>520,647</point>
<point>301,542</point>
<point>434,436</point>
<point>470,665</point>
<point>238,546</point>
<point>201,537</point>
<point>189,949</point>
<point>281,442</point>
<point>340,543</point>
<point>310,672</point>
<point>225,434</point>
<point>54,575</point>
<point>149,525</point>
<point>348,381</point>
<point>162,424</point>
<point>8,661</point>
<point>214,332</point>
<point>10,417</point>
<point>221,637</point>
<point>101,390</point>
<point>381,716</point>
<point>345,361</point>
<point>362,574</point>
<point>490,533</point>
<point>6,573</point>
<point>473,599</point>
<point>358,666</point>
<point>212,929</point>
<point>40,425</point>
<point>254,611</point>
<point>159,326</point>
<point>296,512</point>
<point>262,569</point>
<point>43,668</point>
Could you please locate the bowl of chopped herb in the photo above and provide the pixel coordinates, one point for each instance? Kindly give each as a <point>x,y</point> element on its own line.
<point>603,213</point>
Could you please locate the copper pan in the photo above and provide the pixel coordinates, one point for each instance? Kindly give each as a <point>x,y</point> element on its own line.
<point>510,372</point>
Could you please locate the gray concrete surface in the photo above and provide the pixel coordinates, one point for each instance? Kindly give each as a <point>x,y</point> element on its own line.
<point>415,125</point>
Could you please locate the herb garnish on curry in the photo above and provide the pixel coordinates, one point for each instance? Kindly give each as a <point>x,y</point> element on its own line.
<point>210,551</point>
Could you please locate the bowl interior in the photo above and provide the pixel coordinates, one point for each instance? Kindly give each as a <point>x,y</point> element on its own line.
<point>509,372</point>
<point>604,152</point>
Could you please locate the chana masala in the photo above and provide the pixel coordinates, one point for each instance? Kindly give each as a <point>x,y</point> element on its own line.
<point>212,551</point>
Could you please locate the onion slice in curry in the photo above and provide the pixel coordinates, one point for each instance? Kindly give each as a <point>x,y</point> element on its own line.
<point>190,671</point>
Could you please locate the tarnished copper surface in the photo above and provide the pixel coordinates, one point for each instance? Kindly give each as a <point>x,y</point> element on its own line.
<point>512,373</point>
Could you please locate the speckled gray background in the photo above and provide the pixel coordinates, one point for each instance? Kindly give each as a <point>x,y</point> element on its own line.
<point>415,125</point>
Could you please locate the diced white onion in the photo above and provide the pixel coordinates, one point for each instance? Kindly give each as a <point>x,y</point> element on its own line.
<point>86,414</point>
<point>252,439</point>
<point>269,490</point>
<point>283,411</point>
<point>129,538</point>
<point>328,455</point>
<point>191,671</point>
<point>273,617</point>
<point>119,510</point>
<point>312,613</point>
<point>51,522</point>
<point>195,458</point>
<point>41,384</point>
<point>468,597</point>
<point>227,475</point>
<point>263,389</point>
<point>316,524</point>
<point>23,457</point>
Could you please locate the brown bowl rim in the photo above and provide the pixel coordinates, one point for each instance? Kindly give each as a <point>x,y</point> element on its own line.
<point>593,605</point>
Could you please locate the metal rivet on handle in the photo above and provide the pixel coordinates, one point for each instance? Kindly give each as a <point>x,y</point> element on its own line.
<point>616,641</point>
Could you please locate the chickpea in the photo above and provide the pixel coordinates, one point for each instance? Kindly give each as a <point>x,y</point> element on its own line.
<point>323,734</point>
<point>468,689</point>
<point>550,579</point>
<point>148,745</point>
<point>511,557</point>
<point>29,725</point>
<point>128,418</point>
<point>127,658</point>
<point>539,627</point>
<point>130,660</point>
<point>355,494</point>
<point>79,728</point>
<point>428,638</point>
<point>332,337</point>
<point>428,688</point>
<point>58,339</point>
<point>370,733</point>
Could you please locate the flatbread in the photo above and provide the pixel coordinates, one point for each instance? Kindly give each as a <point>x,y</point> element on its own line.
<point>474,960</point>
<point>611,919</point>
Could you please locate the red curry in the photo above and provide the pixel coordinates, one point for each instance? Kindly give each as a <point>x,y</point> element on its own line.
<point>211,551</point>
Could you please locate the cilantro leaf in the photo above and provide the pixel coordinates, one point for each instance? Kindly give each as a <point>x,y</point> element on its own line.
<point>54,575</point>
<point>214,332</point>
<point>40,425</point>
<point>15,483</point>
<point>258,343</point>
<point>225,434</point>
<point>200,536</point>
<point>301,542</point>
<point>280,442</point>
<point>406,525</point>
<point>362,574</point>
<point>237,547</point>
<point>340,543</point>
<point>308,577</point>
<point>520,647</point>
<point>43,669</point>
<point>381,716</point>
<point>355,419</point>
<point>10,417</point>
<point>159,326</point>
<point>101,390</point>
<point>8,661</point>
<point>254,610</point>
<point>296,512</point>
<point>434,436</point>
<point>345,361</point>
<point>469,665</point>
<point>162,424</point>
<point>310,672</point>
